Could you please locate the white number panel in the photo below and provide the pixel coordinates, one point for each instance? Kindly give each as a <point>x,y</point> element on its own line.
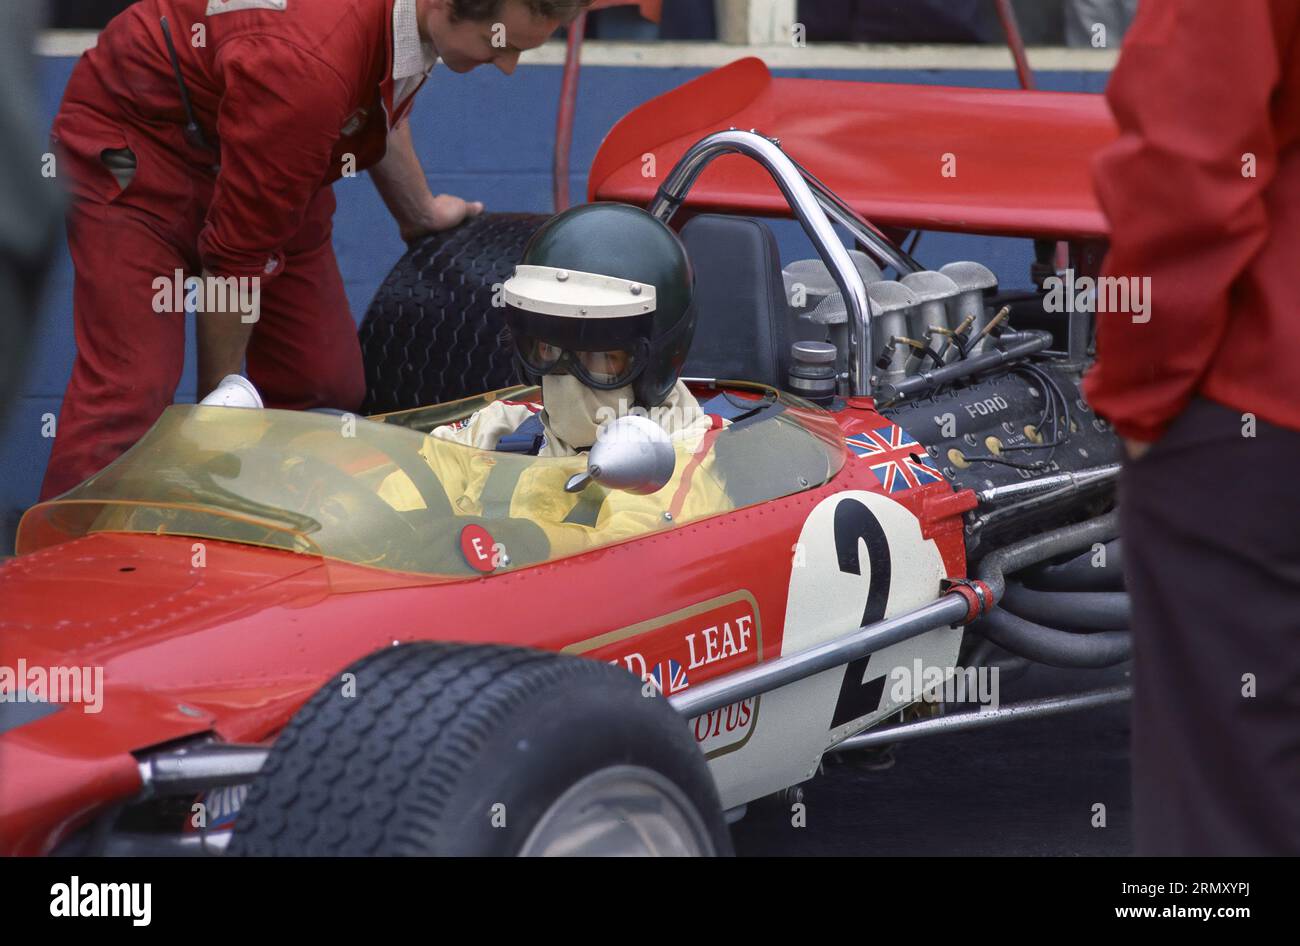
<point>861,558</point>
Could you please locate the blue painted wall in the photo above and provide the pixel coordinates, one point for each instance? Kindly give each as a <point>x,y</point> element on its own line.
<point>483,136</point>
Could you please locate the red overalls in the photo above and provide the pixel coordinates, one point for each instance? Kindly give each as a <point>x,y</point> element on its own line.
<point>285,91</point>
<point>1202,190</point>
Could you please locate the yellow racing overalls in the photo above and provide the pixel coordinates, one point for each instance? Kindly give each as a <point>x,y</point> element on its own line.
<point>488,485</point>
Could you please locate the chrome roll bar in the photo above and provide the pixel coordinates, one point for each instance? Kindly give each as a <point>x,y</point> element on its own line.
<point>811,205</point>
<point>863,230</point>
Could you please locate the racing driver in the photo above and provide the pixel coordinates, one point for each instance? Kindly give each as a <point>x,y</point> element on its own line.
<point>600,314</point>
<point>599,310</point>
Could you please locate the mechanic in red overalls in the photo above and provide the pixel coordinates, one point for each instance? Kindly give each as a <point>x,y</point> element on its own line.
<point>224,171</point>
<point>1203,194</point>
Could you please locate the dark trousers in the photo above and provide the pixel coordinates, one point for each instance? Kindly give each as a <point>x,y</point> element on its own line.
<point>1211,527</point>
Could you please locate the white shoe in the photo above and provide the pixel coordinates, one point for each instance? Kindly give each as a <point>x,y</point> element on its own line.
<point>233,391</point>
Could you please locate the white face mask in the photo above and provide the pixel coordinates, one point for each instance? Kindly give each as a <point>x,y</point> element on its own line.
<point>576,412</point>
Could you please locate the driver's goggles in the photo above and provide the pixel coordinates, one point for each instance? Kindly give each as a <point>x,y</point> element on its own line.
<point>603,370</point>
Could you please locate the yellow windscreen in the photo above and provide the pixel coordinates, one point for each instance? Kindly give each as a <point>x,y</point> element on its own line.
<point>381,492</point>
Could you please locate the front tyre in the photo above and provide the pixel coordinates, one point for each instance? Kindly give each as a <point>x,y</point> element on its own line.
<point>447,749</point>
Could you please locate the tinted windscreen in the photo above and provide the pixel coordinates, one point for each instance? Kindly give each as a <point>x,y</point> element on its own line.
<point>383,493</point>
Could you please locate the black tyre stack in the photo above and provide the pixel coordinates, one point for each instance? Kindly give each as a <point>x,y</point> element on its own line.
<point>432,333</point>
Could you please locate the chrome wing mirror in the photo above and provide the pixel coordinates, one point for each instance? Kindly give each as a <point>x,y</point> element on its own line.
<point>632,454</point>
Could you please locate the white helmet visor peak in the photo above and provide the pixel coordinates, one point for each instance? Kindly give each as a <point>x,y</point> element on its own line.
<point>548,290</point>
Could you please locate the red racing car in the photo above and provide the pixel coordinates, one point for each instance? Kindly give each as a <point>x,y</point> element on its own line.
<point>233,639</point>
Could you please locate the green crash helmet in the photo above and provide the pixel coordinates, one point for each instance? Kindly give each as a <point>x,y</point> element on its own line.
<point>603,292</point>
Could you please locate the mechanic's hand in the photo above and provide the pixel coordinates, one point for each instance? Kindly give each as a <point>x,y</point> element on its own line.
<point>443,212</point>
<point>1135,448</point>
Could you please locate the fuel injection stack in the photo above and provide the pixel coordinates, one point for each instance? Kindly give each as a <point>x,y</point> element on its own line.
<point>923,322</point>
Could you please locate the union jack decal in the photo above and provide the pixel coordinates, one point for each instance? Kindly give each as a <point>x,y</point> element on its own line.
<point>890,451</point>
<point>676,677</point>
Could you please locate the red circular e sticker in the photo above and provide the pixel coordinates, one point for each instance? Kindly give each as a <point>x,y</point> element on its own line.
<point>478,547</point>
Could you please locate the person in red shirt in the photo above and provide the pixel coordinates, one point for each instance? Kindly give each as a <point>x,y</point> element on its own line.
<point>199,138</point>
<point>1202,189</point>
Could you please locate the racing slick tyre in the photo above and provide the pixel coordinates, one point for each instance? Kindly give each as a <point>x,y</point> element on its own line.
<point>431,333</point>
<point>449,749</point>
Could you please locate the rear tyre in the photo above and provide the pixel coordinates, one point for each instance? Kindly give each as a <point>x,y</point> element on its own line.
<point>448,749</point>
<point>432,333</point>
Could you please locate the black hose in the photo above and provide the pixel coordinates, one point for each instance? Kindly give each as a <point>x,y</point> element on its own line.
<point>1056,648</point>
<point>995,566</point>
<point>1082,610</point>
<point>1038,642</point>
<point>1081,573</point>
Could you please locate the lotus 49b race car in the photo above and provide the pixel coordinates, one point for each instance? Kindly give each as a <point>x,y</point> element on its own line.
<point>908,476</point>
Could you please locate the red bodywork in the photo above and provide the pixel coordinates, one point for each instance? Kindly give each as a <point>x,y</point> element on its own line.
<point>236,647</point>
<point>1022,159</point>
